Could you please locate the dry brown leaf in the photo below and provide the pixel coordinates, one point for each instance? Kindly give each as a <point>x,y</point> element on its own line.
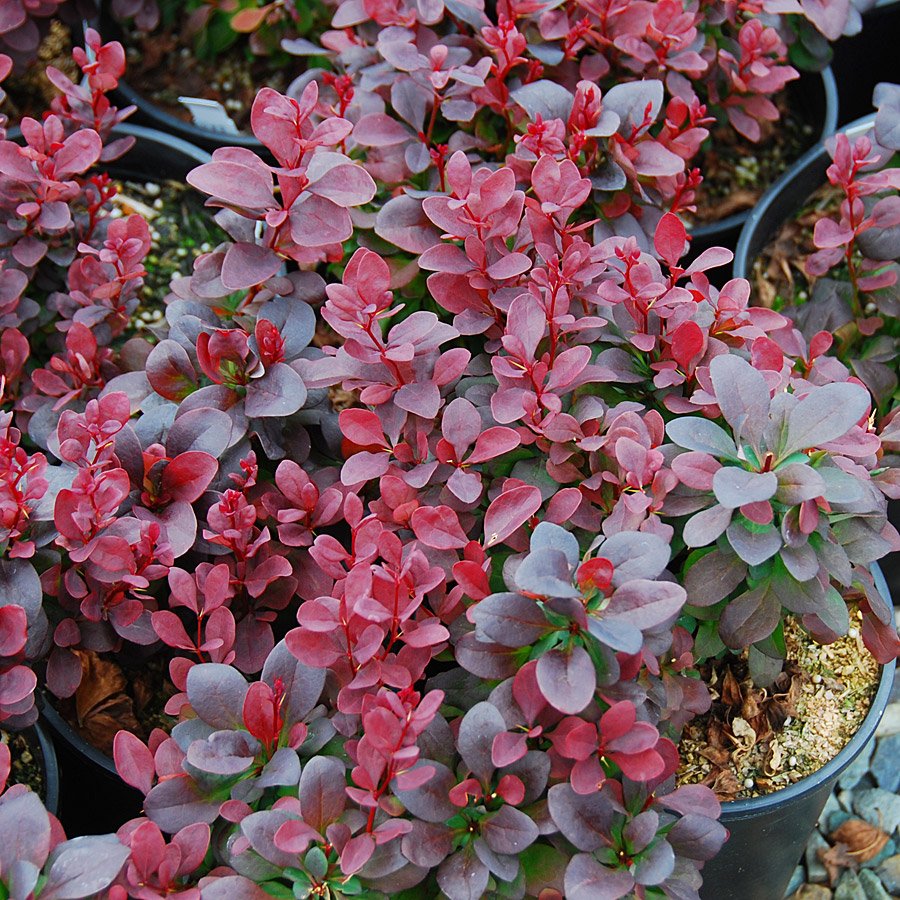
<point>731,690</point>
<point>723,783</point>
<point>864,841</point>
<point>101,704</point>
<point>834,859</point>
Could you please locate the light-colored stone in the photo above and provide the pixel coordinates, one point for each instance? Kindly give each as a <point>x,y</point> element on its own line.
<point>890,721</point>
<point>816,872</point>
<point>852,775</point>
<point>797,879</point>
<point>812,892</point>
<point>879,808</point>
<point>886,763</point>
<point>889,873</point>
<point>872,885</point>
<point>849,888</point>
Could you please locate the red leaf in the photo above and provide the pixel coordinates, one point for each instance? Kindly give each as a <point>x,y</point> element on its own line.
<point>134,762</point>
<point>670,239</point>
<point>508,511</point>
<point>438,527</point>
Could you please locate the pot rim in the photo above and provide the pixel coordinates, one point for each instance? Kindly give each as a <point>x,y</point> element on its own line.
<point>833,768</point>
<point>709,231</point>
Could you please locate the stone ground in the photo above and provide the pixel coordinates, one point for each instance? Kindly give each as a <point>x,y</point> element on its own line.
<point>866,803</point>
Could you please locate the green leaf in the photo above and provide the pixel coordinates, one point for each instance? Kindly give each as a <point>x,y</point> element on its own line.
<point>707,643</point>
<point>316,863</point>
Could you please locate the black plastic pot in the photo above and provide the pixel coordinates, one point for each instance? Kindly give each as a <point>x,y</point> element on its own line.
<point>153,116</point>
<point>768,834</point>
<point>864,59</point>
<point>815,98</point>
<point>92,797</point>
<point>41,746</point>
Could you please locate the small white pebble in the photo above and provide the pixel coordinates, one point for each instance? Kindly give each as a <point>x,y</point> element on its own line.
<point>181,251</point>
<point>817,678</point>
<point>158,204</point>
<point>115,213</point>
<point>788,721</point>
<point>853,633</point>
<point>748,782</point>
<point>793,761</point>
<point>829,695</point>
<point>152,189</point>
<point>205,247</point>
<point>146,316</point>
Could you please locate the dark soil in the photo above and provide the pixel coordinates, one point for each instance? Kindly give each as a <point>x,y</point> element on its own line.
<point>27,762</point>
<point>736,171</point>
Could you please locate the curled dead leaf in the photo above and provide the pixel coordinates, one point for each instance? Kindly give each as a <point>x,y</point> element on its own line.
<point>774,759</point>
<point>864,841</point>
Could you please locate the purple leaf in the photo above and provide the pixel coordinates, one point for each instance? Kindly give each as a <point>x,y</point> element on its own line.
<point>734,487</point>
<point>486,659</point>
<point>380,130</point>
<point>825,414</point>
<point>706,526</point>
<point>403,223</point>
<point>170,371</point>
<point>176,803</point>
<point>83,866</point>
<point>480,725</point>
<point>567,680</point>
<point>438,527</point>
<point>586,879</point>
<point>509,831</point>
<point>713,577</point>
<point>430,801</point>
<point>428,844</point>
<point>134,762</point>
<point>246,265</point>
<point>656,865</point>
<point>697,836</point>
<point>544,98</point>
<point>463,876</point>
<point>207,430</point>
<point>25,829</point>
<point>317,221</point>
<point>279,392</point>
<point>696,433</point>
<point>742,395</point>
<point>216,693</point>
<point>584,819</point>
<point>754,547</point>
<point>349,185</point>
<point>510,619</point>
<point>646,604</point>
<point>750,618</point>
<point>235,184</point>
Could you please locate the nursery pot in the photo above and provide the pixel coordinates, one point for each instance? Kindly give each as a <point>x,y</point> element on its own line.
<point>779,204</point>
<point>40,746</point>
<point>767,835</point>
<point>876,45</point>
<point>89,775</point>
<point>153,116</point>
<point>92,798</point>
<point>815,97</point>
